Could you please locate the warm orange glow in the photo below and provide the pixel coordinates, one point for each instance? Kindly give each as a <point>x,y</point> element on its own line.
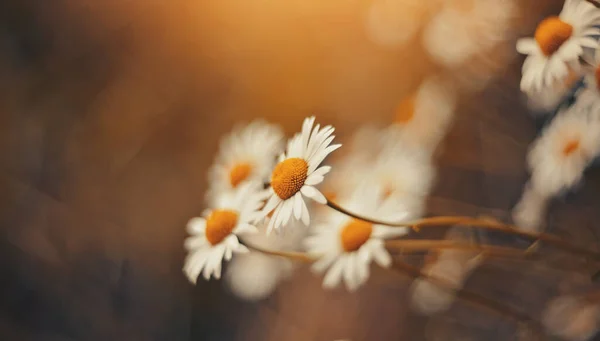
<point>405,111</point>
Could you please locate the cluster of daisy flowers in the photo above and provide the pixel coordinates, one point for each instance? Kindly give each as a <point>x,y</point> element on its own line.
<point>264,198</point>
<point>560,79</point>
<point>466,38</point>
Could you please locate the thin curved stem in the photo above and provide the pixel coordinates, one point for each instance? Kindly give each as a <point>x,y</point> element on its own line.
<point>297,256</point>
<point>489,224</point>
<point>411,246</point>
<point>468,296</point>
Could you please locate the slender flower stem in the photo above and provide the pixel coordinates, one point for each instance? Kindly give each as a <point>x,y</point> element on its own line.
<point>298,256</point>
<point>412,246</point>
<point>489,224</point>
<point>468,296</point>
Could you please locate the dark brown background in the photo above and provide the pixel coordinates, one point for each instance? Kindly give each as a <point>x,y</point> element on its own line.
<point>110,115</point>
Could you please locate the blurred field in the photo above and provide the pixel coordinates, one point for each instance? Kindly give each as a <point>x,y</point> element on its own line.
<point>110,114</point>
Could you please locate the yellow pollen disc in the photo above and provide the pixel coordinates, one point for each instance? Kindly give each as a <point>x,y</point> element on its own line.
<point>570,147</point>
<point>288,177</point>
<point>405,111</point>
<point>355,234</point>
<point>551,33</point>
<point>239,173</point>
<point>220,224</point>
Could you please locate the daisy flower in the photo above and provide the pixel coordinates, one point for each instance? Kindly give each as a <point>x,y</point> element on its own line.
<point>572,318</point>
<point>422,118</point>
<point>557,45</point>
<point>464,28</point>
<point>215,237</point>
<point>297,173</point>
<point>354,165</point>
<point>560,155</point>
<point>247,154</point>
<point>346,246</point>
<point>254,276</point>
<point>405,176</point>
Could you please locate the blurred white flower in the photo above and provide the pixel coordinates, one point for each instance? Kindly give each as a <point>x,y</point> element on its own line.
<point>423,118</point>
<point>246,154</point>
<point>346,246</point>
<point>572,318</point>
<point>350,170</point>
<point>429,298</point>
<point>254,276</point>
<point>558,44</point>
<point>405,175</point>
<point>214,237</point>
<point>560,155</point>
<point>297,173</point>
<point>548,99</point>
<point>464,28</point>
<point>528,214</point>
<point>453,266</point>
<point>392,23</point>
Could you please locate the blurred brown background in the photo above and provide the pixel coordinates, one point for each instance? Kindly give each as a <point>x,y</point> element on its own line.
<point>110,115</point>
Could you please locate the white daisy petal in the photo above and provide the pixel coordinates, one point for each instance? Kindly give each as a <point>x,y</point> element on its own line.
<point>314,194</point>
<point>334,274</point>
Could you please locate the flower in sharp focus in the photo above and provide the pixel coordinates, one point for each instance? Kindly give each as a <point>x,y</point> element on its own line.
<point>464,28</point>
<point>558,43</point>
<point>346,246</point>
<point>561,154</point>
<point>297,173</point>
<point>248,153</point>
<point>215,236</point>
<point>423,117</point>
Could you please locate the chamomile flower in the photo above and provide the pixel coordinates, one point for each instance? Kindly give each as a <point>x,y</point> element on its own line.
<point>405,175</point>
<point>247,154</point>
<point>354,165</point>
<point>422,118</point>
<point>297,173</point>
<point>559,157</point>
<point>254,276</point>
<point>215,236</point>
<point>572,318</point>
<point>346,246</point>
<point>558,43</point>
<point>464,28</point>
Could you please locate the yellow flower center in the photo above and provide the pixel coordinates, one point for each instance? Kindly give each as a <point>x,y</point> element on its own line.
<point>355,234</point>
<point>570,147</point>
<point>288,177</point>
<point>551,33</point>
<point>220,224</point>
<point>405,111</point>
<point>239,173</point>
